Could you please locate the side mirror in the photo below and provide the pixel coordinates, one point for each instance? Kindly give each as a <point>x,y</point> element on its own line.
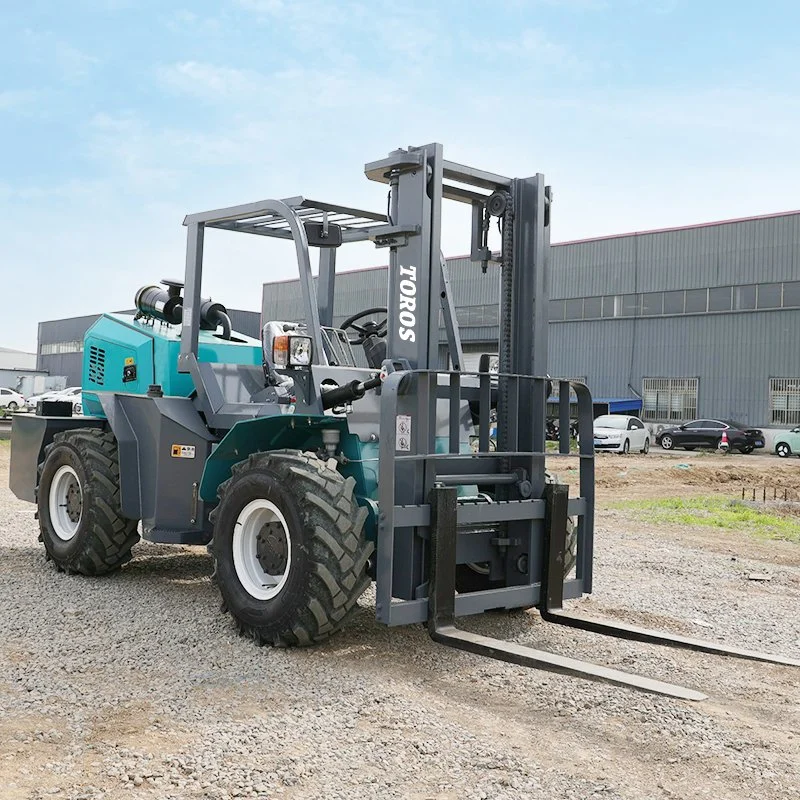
<point>321,234</point>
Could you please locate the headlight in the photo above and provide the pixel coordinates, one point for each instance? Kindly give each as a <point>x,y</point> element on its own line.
<point>291,351</point>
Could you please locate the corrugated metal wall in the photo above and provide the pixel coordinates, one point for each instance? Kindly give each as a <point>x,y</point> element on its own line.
<point>733,355</point>
<point>747,251</point>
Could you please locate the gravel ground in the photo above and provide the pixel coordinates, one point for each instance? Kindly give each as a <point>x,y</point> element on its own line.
<point>135,686</point>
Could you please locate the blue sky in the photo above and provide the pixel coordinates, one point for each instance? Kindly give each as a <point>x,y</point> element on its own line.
<point>117,117</point>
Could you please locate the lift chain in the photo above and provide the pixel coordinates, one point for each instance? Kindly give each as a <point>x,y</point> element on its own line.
<point>506,299</point>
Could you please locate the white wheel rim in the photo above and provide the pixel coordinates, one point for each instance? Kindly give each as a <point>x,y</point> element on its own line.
<point>264,518</point>
<point>65,503</point>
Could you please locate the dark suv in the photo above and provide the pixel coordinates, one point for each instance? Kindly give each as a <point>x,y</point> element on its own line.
<point>708,433</point>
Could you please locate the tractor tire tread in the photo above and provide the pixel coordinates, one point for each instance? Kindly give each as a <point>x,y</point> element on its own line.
<point>338,552</point>
<point>112,536</point>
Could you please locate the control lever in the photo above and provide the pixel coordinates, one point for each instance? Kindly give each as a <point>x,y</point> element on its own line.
<point>354,390</point>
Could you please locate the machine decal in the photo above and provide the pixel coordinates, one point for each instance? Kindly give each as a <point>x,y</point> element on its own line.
<point>408,304</point>
<point>183,451</point>
<point>403,433</point>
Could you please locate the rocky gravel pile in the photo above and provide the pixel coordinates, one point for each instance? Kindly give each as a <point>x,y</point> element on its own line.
<point>136,686</point>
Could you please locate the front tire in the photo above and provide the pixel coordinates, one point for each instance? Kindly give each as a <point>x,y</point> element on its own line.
<point>80,519</point>
<point>782,450</point>
<point>667,442</point>
<point>626,447</point>
<point>289,548</point>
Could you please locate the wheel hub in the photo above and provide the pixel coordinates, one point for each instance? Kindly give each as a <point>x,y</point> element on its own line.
<point>74,503</point>
<point>272,549</point>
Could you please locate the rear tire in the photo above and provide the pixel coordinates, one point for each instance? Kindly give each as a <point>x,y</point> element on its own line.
<point>782,450</point>
<point>12,406</point>
<point>646,448</point>
<point>80,519</point>
<point>290,522</point>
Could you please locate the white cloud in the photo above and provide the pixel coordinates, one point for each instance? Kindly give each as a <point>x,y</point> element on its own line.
<point>200,79</point>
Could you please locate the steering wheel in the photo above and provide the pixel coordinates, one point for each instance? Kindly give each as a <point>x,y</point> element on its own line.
<point>368,329</point>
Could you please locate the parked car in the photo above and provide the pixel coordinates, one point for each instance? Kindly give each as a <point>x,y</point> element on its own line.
<point>31,402</point>
<point>552,428</point>
<point>11,400</point>
<point>787,443</point>
<point>708,433</point>
<point>71,393</point>
<point>617,433</point>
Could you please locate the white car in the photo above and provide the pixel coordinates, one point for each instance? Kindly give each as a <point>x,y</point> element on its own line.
<point>11,400</point>
<point>617,433</point>
<point>71,393</point>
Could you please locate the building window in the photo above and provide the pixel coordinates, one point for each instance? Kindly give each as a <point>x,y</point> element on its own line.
<point>59,348</point>
<point>629,305</point>
<point>744,298</point>
<point>669,399</point>
<point>769,295</point>
<point>477,316</point>
<point>592,307</point>
<point>696,301</point>
<point>791,294</point>
<point>574,309</point>
<point>673,302</point>
<point>652,304</point>
<point>719,298</point>
<point>784,401</point>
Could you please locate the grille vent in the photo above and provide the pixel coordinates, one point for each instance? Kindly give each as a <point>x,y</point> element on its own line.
<point>97,365</point>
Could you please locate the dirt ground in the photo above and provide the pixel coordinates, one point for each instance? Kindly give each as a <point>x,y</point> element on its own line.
<point>683,473</point>
<point>135,686</point>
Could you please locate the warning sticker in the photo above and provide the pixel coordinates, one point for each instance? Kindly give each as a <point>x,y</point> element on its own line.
<point>183,451</point>
<point>403,433</point>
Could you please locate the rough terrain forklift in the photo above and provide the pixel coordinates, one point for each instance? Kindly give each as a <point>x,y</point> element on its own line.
<point>310,468</point>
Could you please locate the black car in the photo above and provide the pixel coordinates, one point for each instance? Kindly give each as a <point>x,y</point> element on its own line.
<point>708,433</point>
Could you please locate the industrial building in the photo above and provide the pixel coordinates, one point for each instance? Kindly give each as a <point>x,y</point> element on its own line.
<point>18,370</point>
<point>700,321</point>
<point>60,346</point>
